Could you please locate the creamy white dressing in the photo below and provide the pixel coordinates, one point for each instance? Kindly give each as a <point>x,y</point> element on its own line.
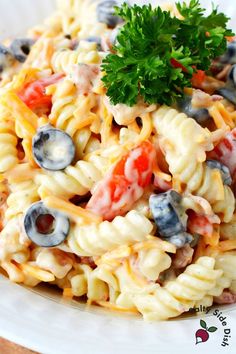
<point>48,261</point>
<point>125,115</point>
<point>229,156</point>
<point>85,77</point>
<point>131,173</point>
<point>55,151</point>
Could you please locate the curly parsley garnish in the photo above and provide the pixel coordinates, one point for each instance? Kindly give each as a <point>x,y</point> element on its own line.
<point>156,55</point>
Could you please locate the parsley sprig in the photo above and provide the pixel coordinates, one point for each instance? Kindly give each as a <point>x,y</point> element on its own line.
<point>156,54</point>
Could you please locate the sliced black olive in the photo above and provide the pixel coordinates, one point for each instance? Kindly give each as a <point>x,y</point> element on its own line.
<point>224,170</point>
<point>168,216</point>
<point>106,11</point>
<point>230,55</point>
<point>96,40</point>
<point>229,90</point>
<point>53,149</point>
<point>201,115</point>
<point>228,93</point>
<point>231,79</point>
<point>21,48</point>
<point>181,239</point>
<point>6,58</point>
<point>50,235</point>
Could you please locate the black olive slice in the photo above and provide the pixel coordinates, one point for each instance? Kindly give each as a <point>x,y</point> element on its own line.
<point>44,226</point>
<point>53,149</point>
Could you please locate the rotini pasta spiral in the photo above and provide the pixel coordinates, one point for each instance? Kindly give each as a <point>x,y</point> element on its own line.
<point>8,146</point>
<point>65,59</point>
<point>13,245</point>
<point>83,280</point>
<point>94,240</point>
<point>85,143</point>
<point>22,195</point>
<point>207,183</point>
<point>74,180</point>
<point>226,263</point>
<point>228,230</point>
<point>152,262</point>
<point>70,111</point>
<point>74,15</point>
<point>176,128</point>
<point>176,296</point>
<point>185,157</point>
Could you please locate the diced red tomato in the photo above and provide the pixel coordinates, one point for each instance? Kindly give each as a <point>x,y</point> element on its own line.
<point>125,183</point>
<point>225,151</point>
<point>198,78</point>
<point>34,96</point>
<point>199,224</point>
<point>176,64</point>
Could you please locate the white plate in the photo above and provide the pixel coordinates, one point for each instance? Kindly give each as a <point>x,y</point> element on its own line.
<point>44,322</point>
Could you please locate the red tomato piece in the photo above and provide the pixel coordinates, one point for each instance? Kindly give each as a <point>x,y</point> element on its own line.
<point>198,78</point>
<point>225,151</point>
<point>176,64</point>
<point>199,224</point>
<point>125,183</point>
<point>34,96</point>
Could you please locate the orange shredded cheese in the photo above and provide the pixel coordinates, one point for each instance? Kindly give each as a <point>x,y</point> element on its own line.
<point>74,211</point>
<point>21,113</point>
<point>67,292</point>
<point>114,307</point>
<point>213,240</point>
<point>227,245</point>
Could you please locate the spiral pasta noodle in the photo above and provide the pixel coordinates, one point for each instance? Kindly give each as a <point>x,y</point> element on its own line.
<point>8,146</point>
<point>188,167</point>
<point>228,230</point>
<point>179,295</point>
<point>22,195</point>
<point>94,240</point>
<point>75,180</point>
<point>226,263</point>
<point>65,59</point>
<point>70,111</point>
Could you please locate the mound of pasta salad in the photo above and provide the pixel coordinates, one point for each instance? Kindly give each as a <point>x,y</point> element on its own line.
<point>118,156</point>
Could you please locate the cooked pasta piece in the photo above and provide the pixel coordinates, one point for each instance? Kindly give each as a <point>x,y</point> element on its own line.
<point>94,240</point>
<point>74,15</point>
<point>13,242</point>
<point>8,146</point>
<point>176,129</point>
<point>186,156</point>
<point>65,59</point>
<point>85,143</point>
<point>176,296</point>
<point>74,180</point>
<point>228,230</point>
<point>22,195</point>
<point>225,262</point>
<point>71,112</point>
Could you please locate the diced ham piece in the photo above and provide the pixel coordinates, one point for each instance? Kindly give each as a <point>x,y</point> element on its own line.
<point>183,257</point>
<point>225,298</point>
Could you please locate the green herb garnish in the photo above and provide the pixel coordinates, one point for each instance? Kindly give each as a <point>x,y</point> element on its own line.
<point>156,55</point>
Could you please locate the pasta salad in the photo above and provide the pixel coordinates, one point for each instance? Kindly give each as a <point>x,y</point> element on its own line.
<point>118,156</point>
